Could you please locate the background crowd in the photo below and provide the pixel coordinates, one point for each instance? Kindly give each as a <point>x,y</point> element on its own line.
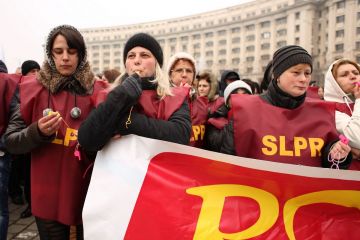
<point>54,118</point>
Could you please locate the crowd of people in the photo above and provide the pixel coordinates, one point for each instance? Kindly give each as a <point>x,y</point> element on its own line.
<point>55,118</point>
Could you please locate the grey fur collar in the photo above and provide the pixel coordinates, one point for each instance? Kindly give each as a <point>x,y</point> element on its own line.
<point>54,81</point>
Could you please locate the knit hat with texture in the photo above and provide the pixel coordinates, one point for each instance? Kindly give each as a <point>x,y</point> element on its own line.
<point>146,41</point>
<point>3,67</point>
<point>288,56</point>
<point>29,65</point>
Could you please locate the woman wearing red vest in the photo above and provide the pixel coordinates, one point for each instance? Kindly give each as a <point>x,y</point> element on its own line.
<point>342,86</point>
<point>281,125</point>
<point>44,121</point>
<point>143,104</point>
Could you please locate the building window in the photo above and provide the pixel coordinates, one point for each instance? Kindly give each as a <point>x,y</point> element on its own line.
<point>117,61</point>
<point>209,34</point>
<point>235,61</point>
<point>250,27</point>
<point>249,70</point>
<point>196,46</point>
<point>339,47</point>
<point>106,54</point>
<point>95,55</point>
<point>184,38</point>
<point>281,32</point>
<point>265,57</point>
<point>222,52</point>
<point>235,30</point>
<point>339,33</point>
<point>250,59</point>
<point>222,33</point>
<point>297,41</point>
<point>265,46</point>
<point>250,48</point>
<point>172,40</point>
<point>297,15</point>
<point>282,20</point>
<point>117,53</point>
<point>222,42</point>
<point>265,24</point>
<point>235,50</point>
<point>209,63</point>
<point>340,4</point>
<point>265,35</point>
<point>116,46</point>
<point>250,37</point>
<point>297,28</point>
<point>358,58</point>
<point>235,40</point>
<point>197,55</point>
<point>184,48</point>
<point>222,61</point>
<point>209,53</point>
<point>281,44</point>
<point>106,61</point>
<point>357,46</point>
<point>196,36</point>
<point>340,19</point>
<point>209,44</point>
<point>358,31</point>
<point>358,16</point>
<point>95,47</point>
<point>106,46</point>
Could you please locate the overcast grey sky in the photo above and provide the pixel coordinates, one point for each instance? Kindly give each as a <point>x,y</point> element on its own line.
<point>25,24</point>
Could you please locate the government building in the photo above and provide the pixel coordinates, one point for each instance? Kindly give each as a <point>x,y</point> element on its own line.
<point>243,37</point>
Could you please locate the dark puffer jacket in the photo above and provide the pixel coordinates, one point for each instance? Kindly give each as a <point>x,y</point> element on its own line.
<point>110,117</point>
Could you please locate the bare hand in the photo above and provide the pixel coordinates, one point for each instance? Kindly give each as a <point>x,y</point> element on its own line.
<point>339,150</point>
<point>49,124</point>
<point>356,91</point>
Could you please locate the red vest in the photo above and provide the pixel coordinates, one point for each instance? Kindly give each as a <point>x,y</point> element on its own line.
<point>57,183</point>
<point>214,105</point>
<point>8,84</point>
<point>199,115</point>
<point>296,136</point>
<point>312,92</point>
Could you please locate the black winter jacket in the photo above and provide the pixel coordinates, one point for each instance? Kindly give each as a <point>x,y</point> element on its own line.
<point>110,117</point>
<point>276,97</point>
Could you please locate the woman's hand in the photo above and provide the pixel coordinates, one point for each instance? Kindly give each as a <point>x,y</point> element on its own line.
<point>49,124</point>
<point>339,150</point>
<point>356,90</point>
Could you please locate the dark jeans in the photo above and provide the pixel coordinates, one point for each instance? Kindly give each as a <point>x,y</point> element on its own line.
<point>4,208</point>
<point>53,230</point>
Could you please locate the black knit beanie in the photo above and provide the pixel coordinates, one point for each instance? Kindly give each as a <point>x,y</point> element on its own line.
<point>3,67</point>
<point>146,41</point>
<point>288,56</point>
<point>29,65</point>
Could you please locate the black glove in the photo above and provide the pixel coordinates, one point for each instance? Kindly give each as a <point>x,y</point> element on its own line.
<point>132,85</point>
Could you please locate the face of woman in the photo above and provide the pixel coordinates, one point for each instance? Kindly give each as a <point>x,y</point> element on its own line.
<point>142,61</point>
<point>346,76</point>
<point>182,72</point>
<point>66,59</point>
<point>295,80</point>
<point>203,88</point>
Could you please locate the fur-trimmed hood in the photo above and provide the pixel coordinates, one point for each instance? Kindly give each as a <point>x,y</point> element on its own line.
<point>332,90</point>
<point>81,82</point>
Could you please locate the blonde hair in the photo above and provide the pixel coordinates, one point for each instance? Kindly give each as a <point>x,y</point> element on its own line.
<point>163,85</point>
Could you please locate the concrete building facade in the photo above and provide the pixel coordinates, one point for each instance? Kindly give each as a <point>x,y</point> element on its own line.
<point>243,37</point>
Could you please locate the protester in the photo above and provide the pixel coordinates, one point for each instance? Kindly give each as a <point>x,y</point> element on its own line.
<point>227,77</point>
<point>266,78</point>
<point>218,119</point>
<point>290,135</point>
<point>44,120</point>
<point>8,84</point>
<point>28,68</point>
<point>214,100</point>
<point>342,86</point>
<point>143,104</point>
